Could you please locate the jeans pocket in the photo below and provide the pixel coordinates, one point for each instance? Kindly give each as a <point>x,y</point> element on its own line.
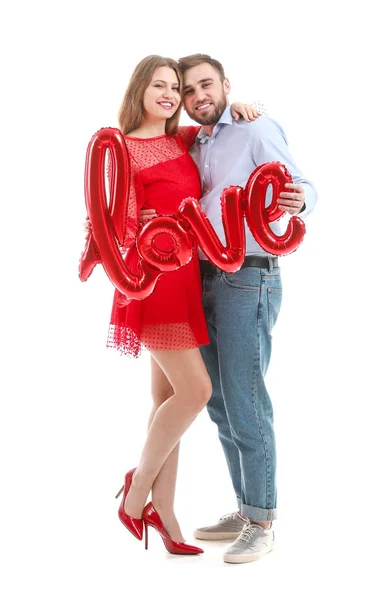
<point>274,301</point>
<point>244,279</point>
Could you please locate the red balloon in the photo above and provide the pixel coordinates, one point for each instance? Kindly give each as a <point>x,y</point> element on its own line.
<point>258,217</point>
<point>108,224</point>
<point>155,250</point>
<point>230,257</point>
<point>167,243</point>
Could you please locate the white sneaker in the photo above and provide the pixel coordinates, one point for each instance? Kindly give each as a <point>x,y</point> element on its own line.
<point>253,543</point>
<point>227,528</point>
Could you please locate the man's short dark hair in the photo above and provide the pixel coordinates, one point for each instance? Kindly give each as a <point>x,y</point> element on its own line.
<point>187,62</point>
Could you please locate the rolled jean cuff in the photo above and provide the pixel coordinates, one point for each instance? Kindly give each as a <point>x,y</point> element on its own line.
<point>258,514</point>
<point>239,502</point>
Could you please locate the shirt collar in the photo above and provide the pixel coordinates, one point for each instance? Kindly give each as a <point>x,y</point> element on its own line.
<point>225,119</point>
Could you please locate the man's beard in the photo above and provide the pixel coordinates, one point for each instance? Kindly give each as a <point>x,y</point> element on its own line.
<point>211,119</point>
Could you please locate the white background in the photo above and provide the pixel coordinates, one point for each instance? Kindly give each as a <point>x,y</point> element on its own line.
<point>74,414</point>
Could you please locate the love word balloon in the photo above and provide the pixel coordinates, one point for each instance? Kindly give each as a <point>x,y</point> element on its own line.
<point>109,222</point>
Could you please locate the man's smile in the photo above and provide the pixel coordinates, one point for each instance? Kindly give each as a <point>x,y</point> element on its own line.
<point>203,106</point>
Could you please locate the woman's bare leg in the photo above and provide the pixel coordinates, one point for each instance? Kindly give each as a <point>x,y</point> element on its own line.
<point>186,373</point>
<point>164,487</point>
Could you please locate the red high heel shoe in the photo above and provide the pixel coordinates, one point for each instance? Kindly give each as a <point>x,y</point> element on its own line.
<point>135,526</point>
<point>151,518</point>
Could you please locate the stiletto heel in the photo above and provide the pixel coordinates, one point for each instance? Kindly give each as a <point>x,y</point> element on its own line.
<point>146,536</point>
<point>151,518</point>
<point>135,526</point>
<point>119,492</point>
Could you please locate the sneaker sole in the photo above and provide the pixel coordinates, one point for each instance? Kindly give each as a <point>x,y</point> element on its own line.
<point>241,558</point>
<point>214,535</point>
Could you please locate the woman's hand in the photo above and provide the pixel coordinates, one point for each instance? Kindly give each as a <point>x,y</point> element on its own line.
<point>87,226</point>
<point>146,214</point>
<point>248,112</point>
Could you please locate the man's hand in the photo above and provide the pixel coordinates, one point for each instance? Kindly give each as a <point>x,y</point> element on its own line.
<point>248,112</point>
<point>87,226</point>
<point>146,214</point>
<point>292,202</point>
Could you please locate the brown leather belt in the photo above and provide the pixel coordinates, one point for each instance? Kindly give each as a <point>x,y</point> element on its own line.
<point>261,262</point>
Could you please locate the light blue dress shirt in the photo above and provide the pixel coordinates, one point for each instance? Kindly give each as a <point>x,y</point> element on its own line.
<point>231,154</point>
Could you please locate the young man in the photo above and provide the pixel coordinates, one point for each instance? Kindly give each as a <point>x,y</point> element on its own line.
<point>241,308</point>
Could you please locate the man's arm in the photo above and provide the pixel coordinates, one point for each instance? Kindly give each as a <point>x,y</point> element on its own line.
<point>268,143</point>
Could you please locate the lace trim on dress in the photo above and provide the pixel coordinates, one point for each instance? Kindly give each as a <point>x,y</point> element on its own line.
<point>150,152</point>
<point>124,339</point>
<point>168,336</point>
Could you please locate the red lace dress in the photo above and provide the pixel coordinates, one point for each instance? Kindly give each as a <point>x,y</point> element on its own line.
<point>172,317</point>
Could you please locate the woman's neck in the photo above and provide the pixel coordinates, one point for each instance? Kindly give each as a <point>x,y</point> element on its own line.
<point>149,128</point>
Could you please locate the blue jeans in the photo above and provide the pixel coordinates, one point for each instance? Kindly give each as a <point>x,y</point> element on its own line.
<point>241,310</point>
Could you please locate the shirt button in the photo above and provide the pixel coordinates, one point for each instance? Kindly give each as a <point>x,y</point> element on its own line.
<point>212,141</point>
<point>207,166</point>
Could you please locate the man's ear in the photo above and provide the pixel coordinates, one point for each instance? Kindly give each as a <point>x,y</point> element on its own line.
<point>226,86</point>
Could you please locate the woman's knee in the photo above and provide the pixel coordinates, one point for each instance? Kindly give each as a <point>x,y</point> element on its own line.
<point>200,391</point>
<point>161,394</point>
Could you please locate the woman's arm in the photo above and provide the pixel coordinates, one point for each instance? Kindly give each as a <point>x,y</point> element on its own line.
<point>249,112</point>
<point>188,134</point>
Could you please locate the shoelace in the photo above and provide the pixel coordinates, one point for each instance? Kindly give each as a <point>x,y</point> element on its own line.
<point>229,516</point>
<point>247,533</point>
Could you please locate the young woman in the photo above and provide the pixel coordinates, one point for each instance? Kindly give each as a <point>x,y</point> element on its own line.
<point>170,322</point>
